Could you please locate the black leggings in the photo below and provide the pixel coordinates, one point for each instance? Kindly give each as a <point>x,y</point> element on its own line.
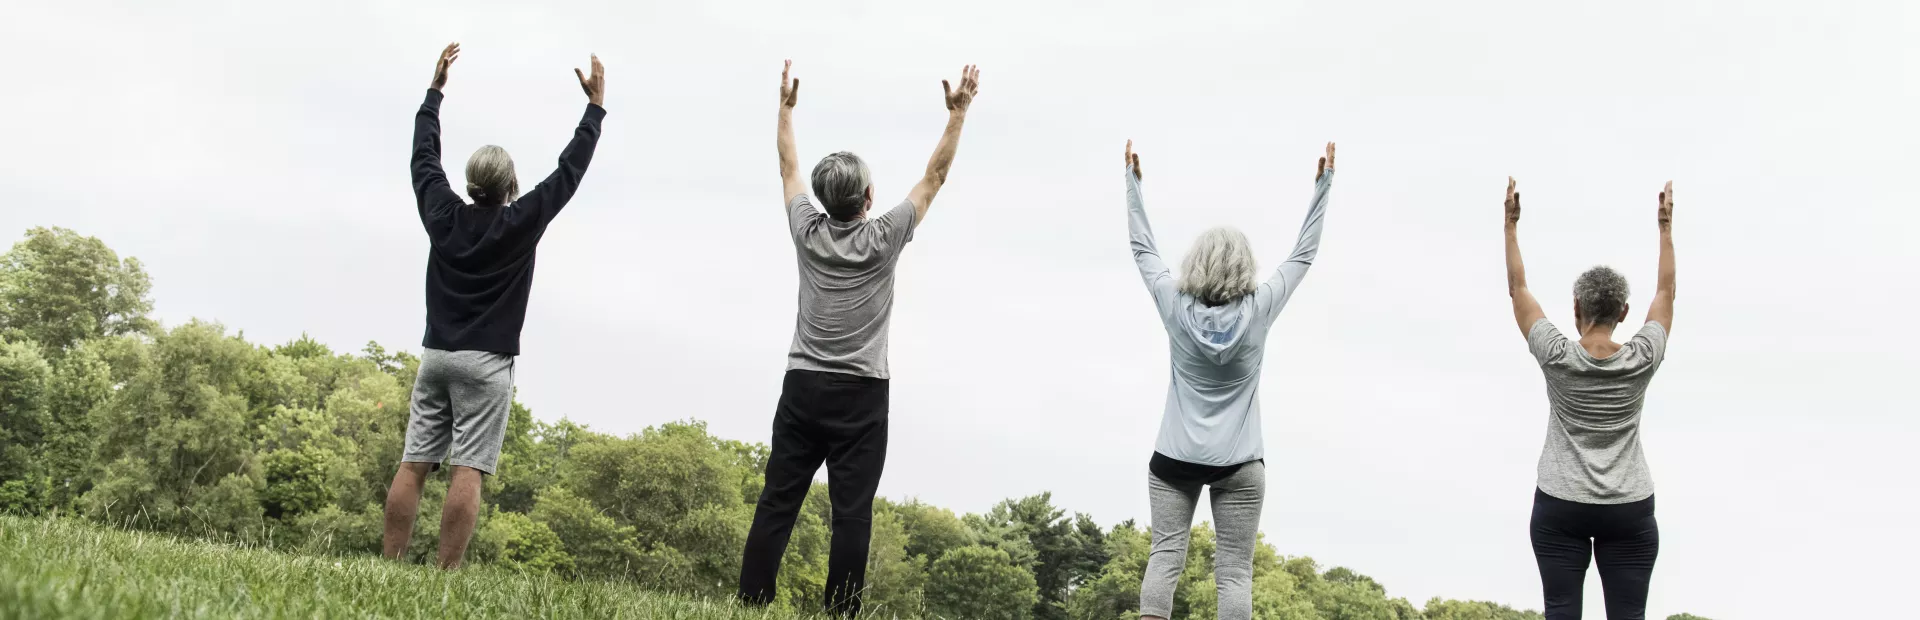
<point>1623,538</point>
<point>823,417</point>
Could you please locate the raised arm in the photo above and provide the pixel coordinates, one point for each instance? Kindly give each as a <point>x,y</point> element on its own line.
<point>791,183</point>
<point>936,175</point>
<point>1526,310</point>
<point>1287,277</point>
<point>431,191</point>
<point>552,194</point>
<point>1153,270</point>
<point>1661,310</point>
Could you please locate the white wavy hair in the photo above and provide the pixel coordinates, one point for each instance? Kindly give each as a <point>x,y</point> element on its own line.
<point>1219,268</point>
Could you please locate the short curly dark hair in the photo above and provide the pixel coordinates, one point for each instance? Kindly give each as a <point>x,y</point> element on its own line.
<point>1600,295</point>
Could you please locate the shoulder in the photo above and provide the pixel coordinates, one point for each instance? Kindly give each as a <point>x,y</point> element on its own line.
<point>1545,341</point>
<point>800,211</point>
<point>801,201</point>
<point>901,214</point>
<point>896,224</point>
<point>1544,331</point>
<point>1651,340</point>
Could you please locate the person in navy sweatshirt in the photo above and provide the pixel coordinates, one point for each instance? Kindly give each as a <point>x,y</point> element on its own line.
<point>479,272</point>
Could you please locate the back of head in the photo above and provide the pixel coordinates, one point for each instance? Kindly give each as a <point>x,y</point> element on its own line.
<point>490,177</point>
<point>1219,268</point>
<point>1600,296</point>
<point>840,181</point>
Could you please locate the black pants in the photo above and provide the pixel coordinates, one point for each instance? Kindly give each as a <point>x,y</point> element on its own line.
<point>1623,538</point>
<point>839,419</point>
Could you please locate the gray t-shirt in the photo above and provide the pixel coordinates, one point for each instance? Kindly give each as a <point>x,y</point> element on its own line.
<point>1592,454</point>
<point>846,288</point>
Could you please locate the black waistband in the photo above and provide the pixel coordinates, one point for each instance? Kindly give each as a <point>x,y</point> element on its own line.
<point>1178,472</point>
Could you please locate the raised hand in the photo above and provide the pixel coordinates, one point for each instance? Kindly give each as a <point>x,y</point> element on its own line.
<point>789,91</point>
<point>595,83</point>
<point>1513,204</point>
<point>1326,163</point>
<point>1133,159</point>
<point>1666,207</point>
<point>958,100</point>
<point>447,56</point>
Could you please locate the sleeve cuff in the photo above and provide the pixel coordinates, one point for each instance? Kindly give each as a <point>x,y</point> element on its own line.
<point>595,112</point>
<point>434,96</point>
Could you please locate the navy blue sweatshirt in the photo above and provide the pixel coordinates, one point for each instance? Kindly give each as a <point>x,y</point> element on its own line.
<point>481,266</point>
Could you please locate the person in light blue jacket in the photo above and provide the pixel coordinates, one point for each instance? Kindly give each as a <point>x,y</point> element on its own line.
<point>1217,317</point>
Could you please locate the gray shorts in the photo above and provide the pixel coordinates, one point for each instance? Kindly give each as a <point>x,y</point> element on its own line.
<point>461,401</point>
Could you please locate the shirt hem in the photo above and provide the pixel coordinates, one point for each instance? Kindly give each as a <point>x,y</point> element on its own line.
<point>803,364</point>
<point>1627,499</point>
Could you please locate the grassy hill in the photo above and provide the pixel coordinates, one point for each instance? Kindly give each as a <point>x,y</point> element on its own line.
<point>56,568</point>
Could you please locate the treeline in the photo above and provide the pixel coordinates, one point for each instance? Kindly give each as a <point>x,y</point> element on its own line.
<point>196,432</point>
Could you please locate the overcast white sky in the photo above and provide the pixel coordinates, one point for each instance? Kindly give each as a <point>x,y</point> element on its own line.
<point>254,155</point>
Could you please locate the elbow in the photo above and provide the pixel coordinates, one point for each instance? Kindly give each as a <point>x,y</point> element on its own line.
<point>935,177</point>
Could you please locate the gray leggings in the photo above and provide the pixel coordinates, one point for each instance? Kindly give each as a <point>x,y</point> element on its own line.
<point>1236,515</point>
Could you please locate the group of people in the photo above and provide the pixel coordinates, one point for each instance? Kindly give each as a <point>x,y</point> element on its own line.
<point>1593,498</point>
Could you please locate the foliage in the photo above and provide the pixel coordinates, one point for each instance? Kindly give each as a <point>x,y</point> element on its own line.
<point>58,288</point>
<point>1438,609</point>
<point>978,582</point>
<point>194,432</point>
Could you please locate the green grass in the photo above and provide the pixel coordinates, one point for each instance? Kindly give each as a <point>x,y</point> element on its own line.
<point>56,568</point>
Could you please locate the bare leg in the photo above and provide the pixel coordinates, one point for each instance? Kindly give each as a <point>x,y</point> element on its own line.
<point>403,505</point>
<point>457,515</point>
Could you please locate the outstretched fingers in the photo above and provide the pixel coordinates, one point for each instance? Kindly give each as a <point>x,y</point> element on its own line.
<point>789,86</point>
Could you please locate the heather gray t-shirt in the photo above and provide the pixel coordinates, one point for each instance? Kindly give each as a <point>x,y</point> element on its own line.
<point>1592,454</point>
<point>846,288</point>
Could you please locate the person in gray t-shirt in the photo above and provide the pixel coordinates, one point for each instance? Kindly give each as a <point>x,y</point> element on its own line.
<point>833,400</point>
<point>1594,495</point>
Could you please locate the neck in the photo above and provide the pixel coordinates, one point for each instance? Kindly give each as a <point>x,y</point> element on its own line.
<point>1596,334</point>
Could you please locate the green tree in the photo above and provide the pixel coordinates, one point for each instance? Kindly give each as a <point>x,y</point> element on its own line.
<point>305,460</point>
<point>23,425</point>
<point>526,545</point>
<point>931,530</point>
<point>599,546</point>
<point>58,288</point>
<point>895,579</point>
<point>1064,552</point>
<point>369,412</point>
<point>81,383</point>
<point>980,583</point>
<point>1115,591</point>
<point>1443,609</point>
<point>177,439</point>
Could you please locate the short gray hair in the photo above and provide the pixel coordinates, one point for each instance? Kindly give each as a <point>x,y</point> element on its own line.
<point>1219,268</point>
<point>840,181</point>
<point>490,177</point>
<point>1600,295</point>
